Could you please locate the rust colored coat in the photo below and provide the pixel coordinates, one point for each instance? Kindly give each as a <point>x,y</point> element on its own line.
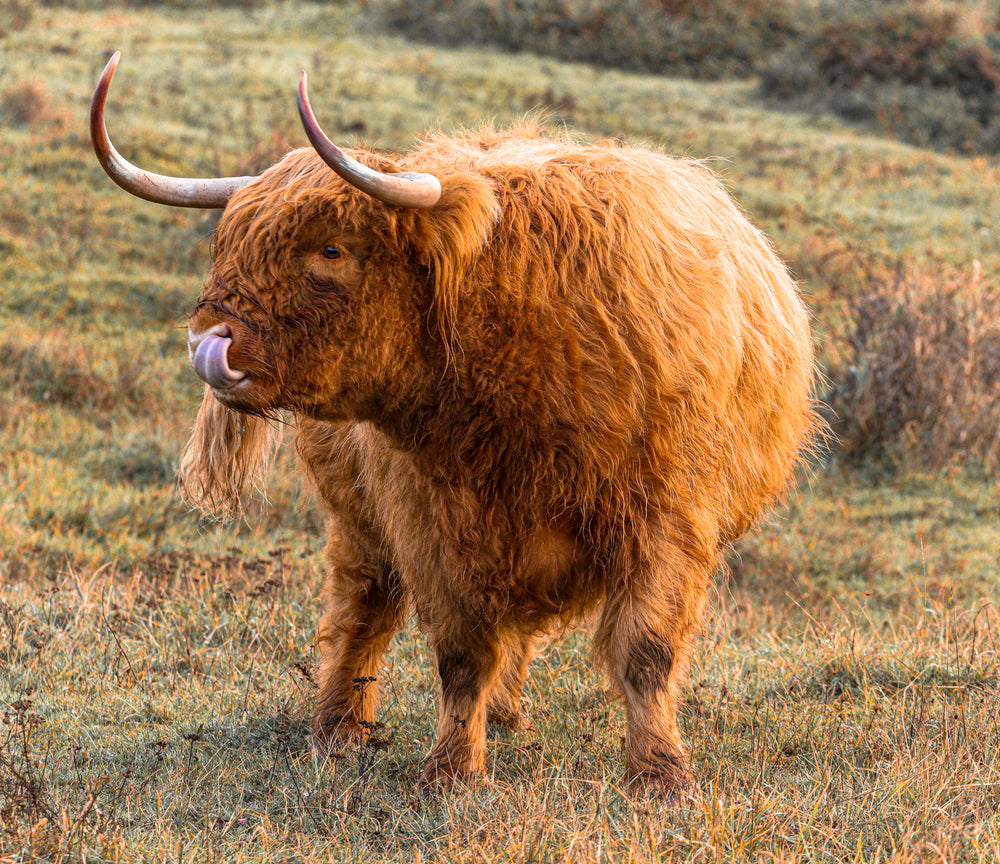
<point>570,384</point>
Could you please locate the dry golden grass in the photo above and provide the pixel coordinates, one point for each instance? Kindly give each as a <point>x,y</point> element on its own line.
<point>158,714</point>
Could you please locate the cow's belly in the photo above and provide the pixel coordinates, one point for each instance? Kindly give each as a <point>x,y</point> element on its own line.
<point>442,540</point>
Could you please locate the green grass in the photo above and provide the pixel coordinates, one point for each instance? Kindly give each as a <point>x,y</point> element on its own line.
<point>843,700</point>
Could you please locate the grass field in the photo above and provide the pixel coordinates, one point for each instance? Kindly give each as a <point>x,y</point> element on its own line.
<point>155,669</point>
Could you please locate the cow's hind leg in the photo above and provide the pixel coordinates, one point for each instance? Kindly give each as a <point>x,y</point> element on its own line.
<point>650,618</point>
<point>504,705</point>
<point>364,608</point>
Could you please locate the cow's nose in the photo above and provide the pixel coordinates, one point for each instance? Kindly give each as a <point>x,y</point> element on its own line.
<point>208,351</point>
<point>196,337</point>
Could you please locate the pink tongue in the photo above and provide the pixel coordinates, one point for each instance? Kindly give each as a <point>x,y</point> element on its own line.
<point>211,362</point>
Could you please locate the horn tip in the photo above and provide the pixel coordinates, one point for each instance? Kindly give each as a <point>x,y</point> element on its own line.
<point>305,110</point>
<point>111,66</point>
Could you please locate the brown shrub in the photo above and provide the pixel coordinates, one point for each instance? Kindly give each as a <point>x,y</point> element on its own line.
<point>897,45</point>
<point>14,15</point>
<point>59,369</point>
<point>927,73</point>
<point>697,38</point>
<point>921,376</point>
<point>25,103</point>
<point>24,796</point>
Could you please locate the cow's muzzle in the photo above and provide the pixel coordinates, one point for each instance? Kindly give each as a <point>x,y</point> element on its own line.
<point>209,353</point>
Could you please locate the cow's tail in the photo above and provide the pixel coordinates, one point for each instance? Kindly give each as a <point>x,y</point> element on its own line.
<point>227,454</point>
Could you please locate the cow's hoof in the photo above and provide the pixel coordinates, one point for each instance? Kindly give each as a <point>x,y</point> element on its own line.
<point>435,780</point>
<point>327,739</point>
<point>668,779</point>
<point>321,747</point>
<point>514,721</point>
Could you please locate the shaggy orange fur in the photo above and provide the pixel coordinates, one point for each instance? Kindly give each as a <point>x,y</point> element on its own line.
<point>571,383</point>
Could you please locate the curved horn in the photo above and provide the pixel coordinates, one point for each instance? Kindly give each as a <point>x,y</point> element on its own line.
<point>178,191</point>
<point>402,190</point>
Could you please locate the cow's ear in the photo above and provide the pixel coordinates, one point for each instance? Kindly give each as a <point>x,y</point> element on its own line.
<point>451,234</point>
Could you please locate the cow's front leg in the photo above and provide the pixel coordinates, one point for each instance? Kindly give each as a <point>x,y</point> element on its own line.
<point>468,660</point>
<point>364,608</point>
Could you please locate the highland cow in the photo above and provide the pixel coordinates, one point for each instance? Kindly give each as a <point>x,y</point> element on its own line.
<point>528,377</point>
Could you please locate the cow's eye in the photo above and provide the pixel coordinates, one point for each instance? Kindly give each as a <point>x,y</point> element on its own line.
<point>331,253</point>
